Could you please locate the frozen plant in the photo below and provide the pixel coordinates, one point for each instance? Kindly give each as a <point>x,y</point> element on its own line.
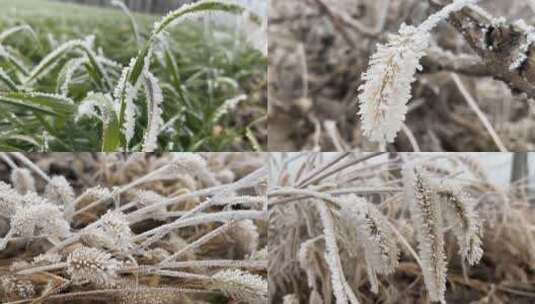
<point>387,82</point>
<point>341,222</point>
<point>148,216</point>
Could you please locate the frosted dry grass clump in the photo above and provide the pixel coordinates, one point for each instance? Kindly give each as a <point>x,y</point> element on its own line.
<point>31,216</point>
<point>387,82</point>
<point>190,245</point>
<point>360,225</point>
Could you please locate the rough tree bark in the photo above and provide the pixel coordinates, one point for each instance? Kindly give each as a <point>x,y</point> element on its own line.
<point>498,44</point>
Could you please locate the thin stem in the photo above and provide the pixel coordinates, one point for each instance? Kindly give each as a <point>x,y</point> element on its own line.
<point>43,268</point>
<point>322,169</point>
<point>224,216</point>
<point>8,160</point>
<point>473,104</point>
<point>31,165</point>
<point>205,238</point>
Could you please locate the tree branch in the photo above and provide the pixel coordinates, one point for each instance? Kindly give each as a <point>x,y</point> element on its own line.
<point>498,43</point>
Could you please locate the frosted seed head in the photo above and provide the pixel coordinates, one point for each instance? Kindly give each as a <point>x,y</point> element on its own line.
<point>45,218</point>
<point>115,225</point>
<point>375,234</point>
<point>59,191</point>
<point>461,215</point>
<point>427,217</point>
<point>225,176</point>
<point>188,163</point>
<point>10,199</point>
<point>13,286</point>
<point>22,180</point>
<point>146,296</point>
<point>94,194</point>
<point>241,285</point>
<point>93,265</point>
<point>129,124</point>
<point>245,234</point>
<point>387,89</point>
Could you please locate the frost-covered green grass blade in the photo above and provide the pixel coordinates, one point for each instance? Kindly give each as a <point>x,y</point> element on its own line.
<point>40,102</point>
<point>196,70</point>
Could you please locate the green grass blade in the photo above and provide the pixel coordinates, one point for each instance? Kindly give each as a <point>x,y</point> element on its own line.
<point>4,77</point>
<point>21,28</point>
<point>183,13</point>
<point>111,135</point>
<point>41,102</point>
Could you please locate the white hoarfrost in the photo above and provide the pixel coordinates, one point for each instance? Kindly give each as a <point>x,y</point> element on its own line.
<point>387,82</point>
<point>529,32</point>
<point>154,111</point>
<point>387,87</point>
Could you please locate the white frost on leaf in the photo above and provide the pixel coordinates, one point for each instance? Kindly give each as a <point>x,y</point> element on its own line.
<point>228,105</point>
<point>154,111</point>
<point>129,124</point>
